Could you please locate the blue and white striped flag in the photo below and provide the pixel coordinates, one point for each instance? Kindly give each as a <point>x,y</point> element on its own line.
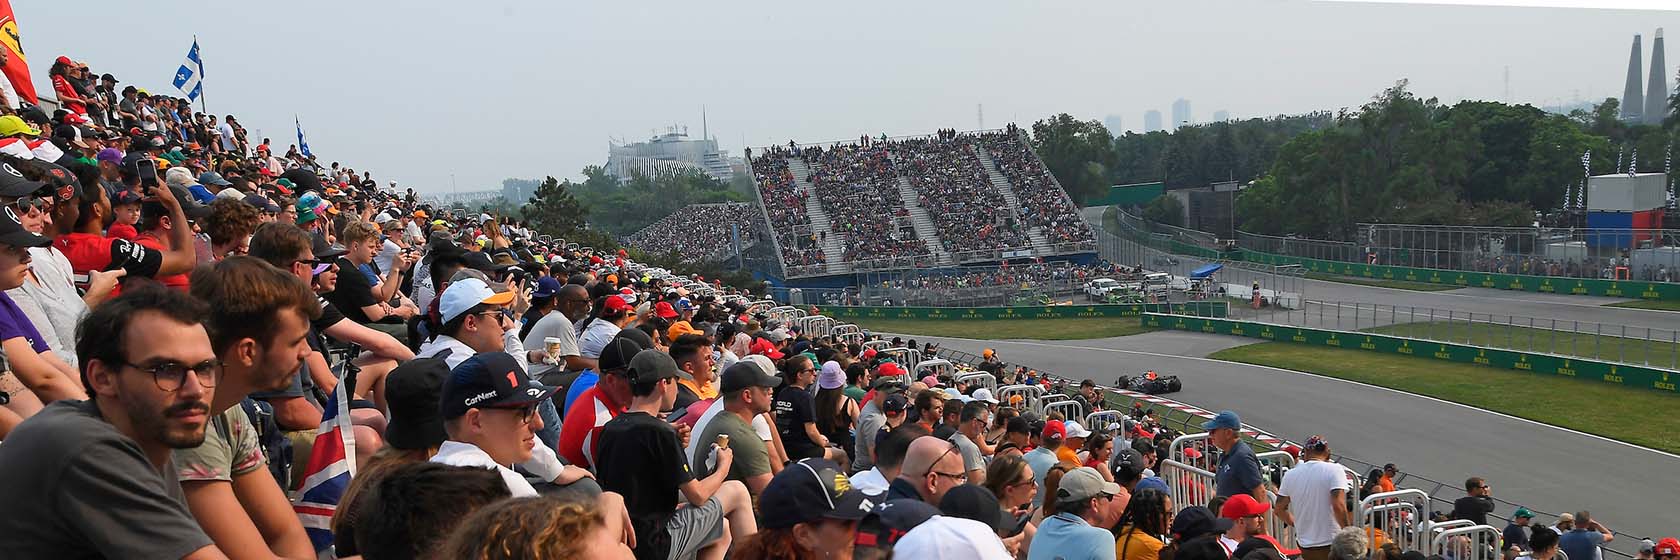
<point>190,77</point>
<point>303,145</point>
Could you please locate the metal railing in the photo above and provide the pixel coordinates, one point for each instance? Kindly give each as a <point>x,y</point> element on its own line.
<point>1608,342</point>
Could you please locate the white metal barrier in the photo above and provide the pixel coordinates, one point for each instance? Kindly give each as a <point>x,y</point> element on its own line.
<point>977,380</point>
<point>878,345</point>
<point>1477,542</point>
<point>1393,520</point>
<point>935,367</point>
<point>816,326</point>
<point>760,306</point>
<point>1098,421</point>
<point>1069,408</point>
<point>1031,395</point>
<point>1273,465</point>
<point>785,314</point>
<point>1194,450</point>
<point>908,357</point>
<point>1187,485</point>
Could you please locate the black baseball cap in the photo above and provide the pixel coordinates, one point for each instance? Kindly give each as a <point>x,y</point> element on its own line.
<point>13,234</point>
<point>13,185</point>
<point>895,404</point>
<point>479,260</point>
<point>653,365</point>
<point>972,501</point>
<point>809,490</point>
<point>490,380</point>
<point>618,353</point>
<point>1195,521</point>
<point>324,250</point>
<point>746,374</point>
<point>412,393</point>
<point>890,520</point>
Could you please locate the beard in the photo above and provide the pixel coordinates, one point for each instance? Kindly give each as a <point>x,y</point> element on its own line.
<point>162,427</point>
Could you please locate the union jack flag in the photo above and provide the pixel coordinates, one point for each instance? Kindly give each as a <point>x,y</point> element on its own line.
<point>330,468</point>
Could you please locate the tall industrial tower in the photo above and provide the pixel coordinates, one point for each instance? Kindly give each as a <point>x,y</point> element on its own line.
<point>1656,94</point>
<point>1633,98</point>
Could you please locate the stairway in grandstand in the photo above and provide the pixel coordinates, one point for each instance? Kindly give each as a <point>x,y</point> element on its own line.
<point>923,224</point>
<point>833,248</point>
<point>1040,242</point>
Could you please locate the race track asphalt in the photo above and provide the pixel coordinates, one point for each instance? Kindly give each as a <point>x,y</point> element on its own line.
<point>1545,468</point>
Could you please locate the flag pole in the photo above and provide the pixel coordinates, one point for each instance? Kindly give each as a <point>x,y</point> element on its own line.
<point>203,105</point>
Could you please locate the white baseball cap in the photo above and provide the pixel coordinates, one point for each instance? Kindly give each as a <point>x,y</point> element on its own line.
<point>943,537</point>
<point>984,394</point>
<point>466,293</point>
<point>1075,430</point>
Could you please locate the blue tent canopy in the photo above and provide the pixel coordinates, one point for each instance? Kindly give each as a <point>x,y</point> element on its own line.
<point>1206,270</point>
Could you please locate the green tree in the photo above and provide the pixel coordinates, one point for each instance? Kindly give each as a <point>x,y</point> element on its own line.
<point>1078,153</point>
<point>554,211</point>
<point>1165,209</point>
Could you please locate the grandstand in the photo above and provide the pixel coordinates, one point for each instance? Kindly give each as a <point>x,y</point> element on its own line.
<point>698,232</point>
<point>943,199</point>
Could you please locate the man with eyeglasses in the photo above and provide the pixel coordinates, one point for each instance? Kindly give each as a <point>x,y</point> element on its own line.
<point>932,467</point>
<point>571,304</point>
<point>259,317</point>
<point>101,470</point>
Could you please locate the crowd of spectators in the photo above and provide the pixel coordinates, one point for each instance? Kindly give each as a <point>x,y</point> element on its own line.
<point>858,187</point>
<point>784,203</point>
<point>697,232</point>
<point>1043,204</point>
<point>952,185</point>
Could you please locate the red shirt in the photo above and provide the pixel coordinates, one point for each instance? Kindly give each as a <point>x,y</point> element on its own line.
<point>88,252</point>
<point>68,96</point>
<point>581,429</point>
<point>122,231</point>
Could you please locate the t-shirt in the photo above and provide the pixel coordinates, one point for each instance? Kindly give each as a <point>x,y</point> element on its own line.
<point>352,293</point>
<point>1067,536</point>
<point>1239,471</point>
<point>595,337</point>
<point>51,302</point>
<point>230,449</point>
<point>870,420</point>
<point>176,281</point>
<point>1473,508</point>
<point>89,492</point>
<point>14,324</point>
<point>1515,535</point>
<point>795,408</point>
<point>87,252</point>
<point>1581,544</point>
<point>855,392</point>
<point>585,381</point>
<point>641,458</point>
<point>121,230</point>
<point>1137,546</point>
<point>1040,459</point>
<point>972,460</point>
<point>555,324</point>
<point>462,454</point>
<point>580,431</point>
<point>1308,487</point>
<point>751,457</point>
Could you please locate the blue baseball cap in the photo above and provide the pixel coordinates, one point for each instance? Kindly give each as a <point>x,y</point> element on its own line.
<point>1152,483</point>
<point>1225,419</point>
<point>547,286</point>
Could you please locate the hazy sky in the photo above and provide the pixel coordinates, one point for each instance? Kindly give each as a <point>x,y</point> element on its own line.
<point>419,90</point>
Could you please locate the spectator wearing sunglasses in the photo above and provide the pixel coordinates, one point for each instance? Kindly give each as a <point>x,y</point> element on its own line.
<point>489,411</point>
<point>31,358</point>
<point>932,467</point>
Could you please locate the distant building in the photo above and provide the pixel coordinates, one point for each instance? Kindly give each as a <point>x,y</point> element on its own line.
<point>1633,94</point>
<point>1181,113</point>
<point>1152,121</point>
<point>1112,122</point>
<point>1221,116</point>
<point>673,151</point>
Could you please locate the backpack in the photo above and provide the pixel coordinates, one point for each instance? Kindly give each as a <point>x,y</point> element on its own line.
<point>273,442</point>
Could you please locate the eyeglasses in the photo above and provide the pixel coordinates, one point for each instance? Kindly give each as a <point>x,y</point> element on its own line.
<point>311,262</point>
<point>169,376</point>
<point>1029,480</point>
<point>523,413</point>
<point>959,477</point>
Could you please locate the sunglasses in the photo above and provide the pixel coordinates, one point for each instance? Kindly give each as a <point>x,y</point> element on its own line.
<point>28,204</point>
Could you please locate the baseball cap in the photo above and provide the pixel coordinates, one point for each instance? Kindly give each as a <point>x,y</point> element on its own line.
<point>1127,464</point>
<point>890,369</point>
<point>490,380</point>
<point>1522,512</point>
<point>1566,516</point>
<point>619,352</point>
<point>1244,505</point>
<point>887,383</point>
<point>765,348</point>
<point>743,375</point>
<point>1152,483</point>
<point>12,125</point>
<point>895,404</point>
<point>1668,545</point>
<point>1225,419</point>
<point>13,234</point>
<point>653,365</point>
<point>12,183</point>
<point>951,537</point>
<point>464,294</point>
<point>777,335</point>
<point>809,490</point>
<point>1646,546</point>
<point>547,286</point>
<point>1074,430</point>
<point>664,311</point>
<point>213,178</point>
<point>412,393</point>
<point>1054,429</point>
<point>615,304</point>
<point>972,501</point>
<point>1195,521</point>
<point>890,520</point>
<point>1084,483</point>
<point>984,394</point>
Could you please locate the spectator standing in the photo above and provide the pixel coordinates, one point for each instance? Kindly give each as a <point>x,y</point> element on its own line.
<point>107,461</point>
<point>1583,542</point>
<point>259,325</point>
<point>1239,469</point>
<point>641,457</point>
<point>1477,503</point>
<point>1313,498</point>
<point>1543,544</point>
<point>745,391</point>
<point>1516,533</point>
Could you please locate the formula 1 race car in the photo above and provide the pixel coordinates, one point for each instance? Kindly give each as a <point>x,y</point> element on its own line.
<point>1150,383</point>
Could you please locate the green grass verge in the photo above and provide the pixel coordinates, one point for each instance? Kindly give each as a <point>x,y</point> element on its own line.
<point>1032,329</point>
<point>1383,282</point>
<point>1621,413</point>
<point>1634,349</point>
<point>1657,304</point>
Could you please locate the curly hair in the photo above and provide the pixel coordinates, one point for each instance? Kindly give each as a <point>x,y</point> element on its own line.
<point>541,527</point>
<point>1146,512</point>
<point>229,220</point>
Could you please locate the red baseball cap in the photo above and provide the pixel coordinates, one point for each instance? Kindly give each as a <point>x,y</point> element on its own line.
<point>664,311</point>
<point>868,354</point>
<point>1242,505</point>
<point>762,346</point>
<point>889,369</point>
<point>615,303</point>
<point>1054,429</point>
<point>1668,545</point>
